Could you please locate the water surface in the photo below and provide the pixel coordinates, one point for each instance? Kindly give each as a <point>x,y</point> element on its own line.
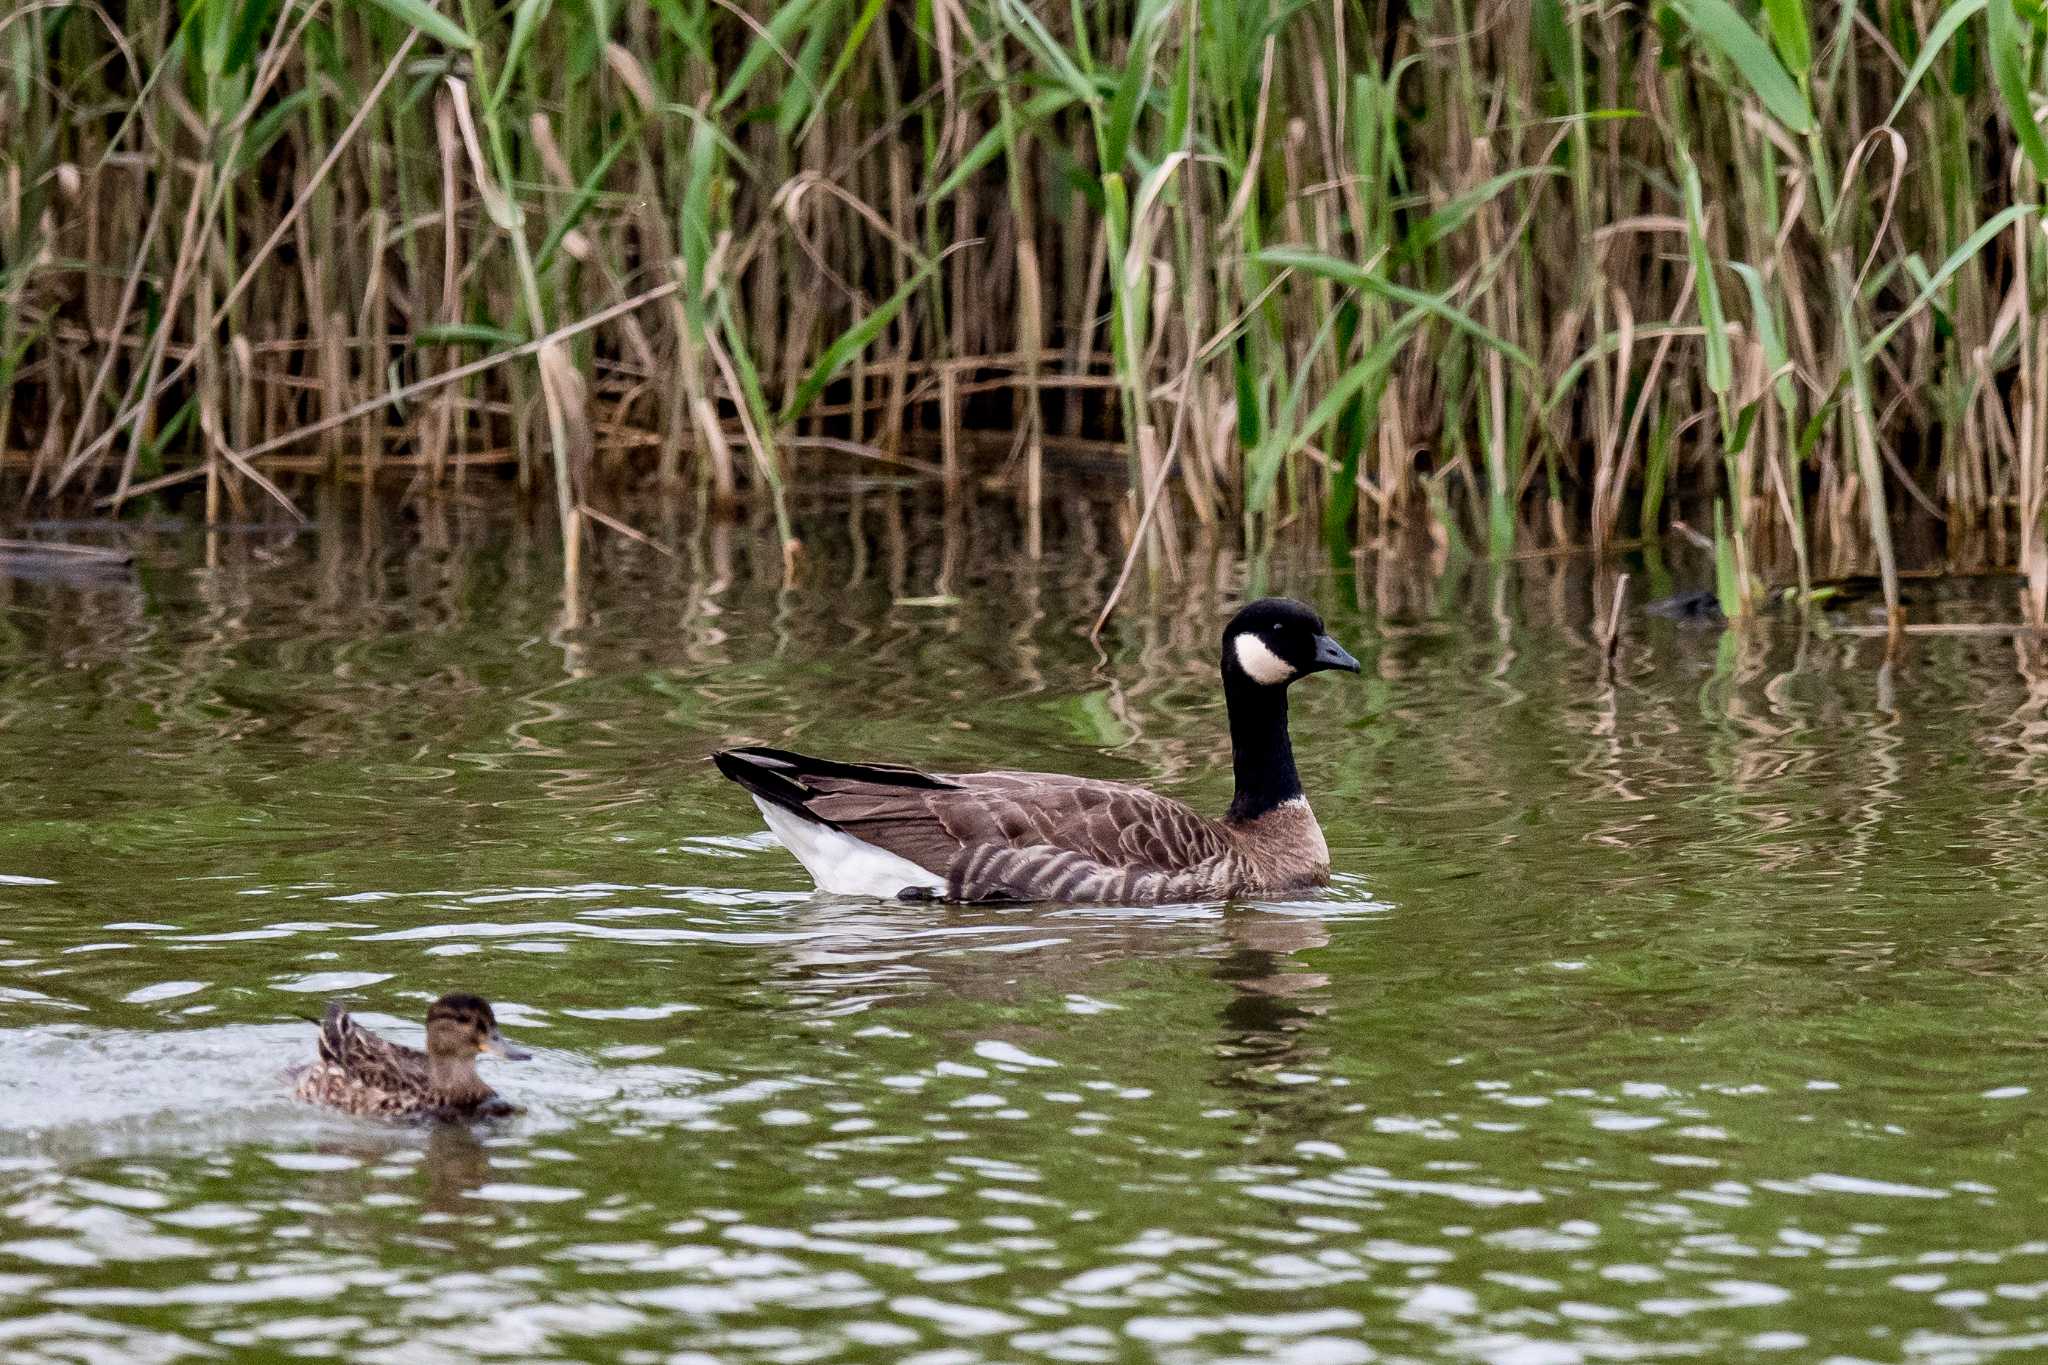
<point>1688,1009</point>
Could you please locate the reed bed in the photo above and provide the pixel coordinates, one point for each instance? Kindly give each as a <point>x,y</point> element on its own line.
<point>1522,271</point>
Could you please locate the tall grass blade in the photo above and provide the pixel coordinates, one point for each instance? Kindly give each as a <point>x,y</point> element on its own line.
<point>851,343</point>
<point>428,20</point>
<point>1729,33</point>
<point>1372,282</point>
<point>1953,18</point>
<point>1713,320</point>
<point>2009,66</point>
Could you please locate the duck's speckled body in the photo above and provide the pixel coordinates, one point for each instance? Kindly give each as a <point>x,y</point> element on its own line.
<point>360,1073</point>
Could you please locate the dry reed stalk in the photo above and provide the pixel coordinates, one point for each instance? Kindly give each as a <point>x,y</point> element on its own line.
<point>612,523</point>
<point>2031,424</point>
<point>949,427</point>
<point>429,384</point>
<point>1612,458</point>
<point>439,428</point>
<point>111,327</point>
<point>1030,309</point>
<point>188,252</point>
<point>334,390</point>
<point>209,397</point>
<point>568,416</point>
<point>249,270</point>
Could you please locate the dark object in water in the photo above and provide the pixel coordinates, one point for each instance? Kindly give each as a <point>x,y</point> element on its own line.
<point>1856,589</point>
<point>1700,606</point>
<point>41,561</point>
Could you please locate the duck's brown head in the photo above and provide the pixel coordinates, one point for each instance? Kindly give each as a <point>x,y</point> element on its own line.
<point>462,1025</point>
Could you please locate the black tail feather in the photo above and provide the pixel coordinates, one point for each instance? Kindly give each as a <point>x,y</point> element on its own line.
<point>778,775</point>
<point>762,772</point>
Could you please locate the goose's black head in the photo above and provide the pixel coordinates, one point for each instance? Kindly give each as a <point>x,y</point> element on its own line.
<point>1266,646</point>
<point>1273,641</point>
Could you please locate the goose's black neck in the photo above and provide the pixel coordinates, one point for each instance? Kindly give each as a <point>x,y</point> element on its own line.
<point>1260,750</point>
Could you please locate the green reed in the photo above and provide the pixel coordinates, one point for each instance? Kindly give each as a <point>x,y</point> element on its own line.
<point>1555,270</point>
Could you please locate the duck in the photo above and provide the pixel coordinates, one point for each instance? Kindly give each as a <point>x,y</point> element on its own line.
<point>892,831</point>
<point>360,1073</point>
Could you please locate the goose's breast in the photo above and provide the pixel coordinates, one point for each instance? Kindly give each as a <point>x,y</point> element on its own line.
<point>1283,848</point>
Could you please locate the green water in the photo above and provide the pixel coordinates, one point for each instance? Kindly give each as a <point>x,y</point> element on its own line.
<point>1692,1013</point>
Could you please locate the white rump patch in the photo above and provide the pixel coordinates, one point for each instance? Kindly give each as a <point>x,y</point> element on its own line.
<point>1260,663</point>
<point>842,865</point>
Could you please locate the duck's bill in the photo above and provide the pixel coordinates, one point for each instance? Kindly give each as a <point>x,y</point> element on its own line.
<point>1330,654</point>
<point>498,1045</point>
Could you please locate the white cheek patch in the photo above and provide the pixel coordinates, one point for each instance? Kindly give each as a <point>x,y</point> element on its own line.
<point>1259,663</point>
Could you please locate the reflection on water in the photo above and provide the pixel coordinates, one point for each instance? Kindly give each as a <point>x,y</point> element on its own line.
<point>1679,1006</point>
<point>1273,1000</point>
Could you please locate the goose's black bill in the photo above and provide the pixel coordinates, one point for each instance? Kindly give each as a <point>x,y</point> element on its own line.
<point>1330,654</point>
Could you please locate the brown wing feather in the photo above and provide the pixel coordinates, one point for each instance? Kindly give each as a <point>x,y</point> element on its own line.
<point>1033,836</point>
<point>1016,835</point>
<point>1104,821</point>
<point>360,1054</point>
